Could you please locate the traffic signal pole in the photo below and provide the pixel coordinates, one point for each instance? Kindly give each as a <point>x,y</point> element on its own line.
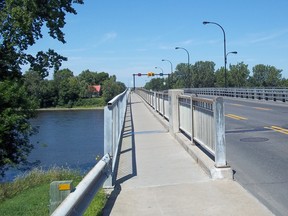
<point>148,74</point>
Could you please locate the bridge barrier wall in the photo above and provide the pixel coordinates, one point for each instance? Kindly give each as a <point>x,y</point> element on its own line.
<point>201,120</point>
<point>272,94</point>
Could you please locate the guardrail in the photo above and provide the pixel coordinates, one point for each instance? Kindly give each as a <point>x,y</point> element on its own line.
<point>77,201</point>
<point>114,117</point>
<point>276,94</point>
<point>201,120</point>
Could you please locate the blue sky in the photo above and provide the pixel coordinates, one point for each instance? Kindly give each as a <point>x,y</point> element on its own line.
<point>132,36</point>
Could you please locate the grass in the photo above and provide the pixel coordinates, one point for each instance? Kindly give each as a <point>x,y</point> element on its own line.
<point>29,194</point>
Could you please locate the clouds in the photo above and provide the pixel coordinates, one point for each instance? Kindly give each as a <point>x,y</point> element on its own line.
<point>106,38</point>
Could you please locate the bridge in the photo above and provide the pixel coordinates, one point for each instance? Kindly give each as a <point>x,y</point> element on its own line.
<point>166,164</point>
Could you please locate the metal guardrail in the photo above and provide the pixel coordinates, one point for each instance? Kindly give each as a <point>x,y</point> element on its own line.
<point>77,201</point>
<point>114,117</point>
<point>277,94</point>
<point>200,119</point>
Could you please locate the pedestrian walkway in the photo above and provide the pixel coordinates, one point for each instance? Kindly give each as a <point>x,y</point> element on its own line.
<point>156,176</point>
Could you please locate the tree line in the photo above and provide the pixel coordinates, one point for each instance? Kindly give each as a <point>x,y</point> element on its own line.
<point>203,74</point>
<point>67,90</point>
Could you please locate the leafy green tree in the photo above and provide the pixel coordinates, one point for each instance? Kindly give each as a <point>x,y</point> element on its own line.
<point>203,74</point>
<point>238,75</point>
<point>220,77</point>
<point>181,77</point>
<point>21,23</point>
<point>16,107</point>
<point>88,78</point>
<point>112,89</point>
<point>67,87</point>
<point>266,76</point>
<point>156,84</point>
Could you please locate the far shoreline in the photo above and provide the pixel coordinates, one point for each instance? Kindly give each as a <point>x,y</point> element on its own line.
<point>69,109</point>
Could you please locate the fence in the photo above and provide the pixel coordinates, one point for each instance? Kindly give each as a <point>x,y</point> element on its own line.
<point>77,201</point>
<point>114,114</point>
<point>248,93</point>
<point>200,119</point>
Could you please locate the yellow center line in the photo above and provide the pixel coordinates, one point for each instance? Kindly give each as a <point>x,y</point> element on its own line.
<point>237,105</point>
<point>262,108</point>
<point>278,129</point>
<point>235,117</point>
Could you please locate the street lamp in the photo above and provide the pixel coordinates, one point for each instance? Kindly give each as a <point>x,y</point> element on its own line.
<point>160,69</point>
<point>234,52</point>
<point>170,64</point>
<point>190,82</point>
<point>225,55</point>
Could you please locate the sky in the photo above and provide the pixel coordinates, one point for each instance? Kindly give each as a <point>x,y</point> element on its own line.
<point>128,37</point>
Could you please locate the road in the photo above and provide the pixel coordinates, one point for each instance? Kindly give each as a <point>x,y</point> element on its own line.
<point>257,149</point>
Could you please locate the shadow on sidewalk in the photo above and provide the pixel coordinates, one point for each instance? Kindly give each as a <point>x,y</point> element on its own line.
<point>125,167</point>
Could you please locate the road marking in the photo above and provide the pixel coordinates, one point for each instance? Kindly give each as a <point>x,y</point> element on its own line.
<point>278,129</point>
<point>262,108</point>
<point>240,105</point>
<point>235,117</point>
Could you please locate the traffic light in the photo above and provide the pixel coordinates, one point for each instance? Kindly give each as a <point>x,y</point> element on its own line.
<point>150,74</point>
<point>139,74</point>
<point>161,74</point>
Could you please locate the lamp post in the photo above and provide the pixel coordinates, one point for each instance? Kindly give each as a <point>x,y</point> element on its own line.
<point>171,74</point>
<point>170,64</point>
<point>190,80</point>
<point>234,52</point>
<point>225,55</point>
<point>160,69</point>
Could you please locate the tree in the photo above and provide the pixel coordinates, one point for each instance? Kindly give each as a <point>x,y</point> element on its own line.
<point>203,74</point>
<point>238,75</point>
<point>219,76</point>
<point>181,77</point>
<point>156,84</point>
<point>67,87</point>
<point>112,89</point>
<point>266,76</point>
<point>16,107</point>
<point>21,23</point>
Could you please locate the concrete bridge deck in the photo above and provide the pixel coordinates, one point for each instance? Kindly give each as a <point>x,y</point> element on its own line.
<point>156,176</point>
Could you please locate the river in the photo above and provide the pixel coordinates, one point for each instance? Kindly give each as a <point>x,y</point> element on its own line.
<point>67,139</point>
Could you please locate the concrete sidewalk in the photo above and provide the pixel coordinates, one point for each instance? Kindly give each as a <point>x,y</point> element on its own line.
<point>156,176</point>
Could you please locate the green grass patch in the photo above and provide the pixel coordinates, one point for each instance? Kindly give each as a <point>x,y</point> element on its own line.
<point>29,194</point>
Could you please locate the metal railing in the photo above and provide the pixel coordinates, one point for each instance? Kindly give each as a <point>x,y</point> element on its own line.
<point>114,117</point>
<point>200,119</point>
<point>277,94</point>
<point>77,201</point>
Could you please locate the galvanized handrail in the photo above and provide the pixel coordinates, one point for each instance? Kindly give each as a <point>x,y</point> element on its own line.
<point>201,119</point>
<point>114,117</point>
<point>77,201</point>
<point>273,94</point>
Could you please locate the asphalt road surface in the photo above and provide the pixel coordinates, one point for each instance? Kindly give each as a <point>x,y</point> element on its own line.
<point>257,149</point>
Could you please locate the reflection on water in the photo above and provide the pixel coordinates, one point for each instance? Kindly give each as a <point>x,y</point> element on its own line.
<point>67,138</point>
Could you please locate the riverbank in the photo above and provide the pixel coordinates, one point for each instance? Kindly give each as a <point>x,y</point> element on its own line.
<point>70,109</point>
<point>29,195</point>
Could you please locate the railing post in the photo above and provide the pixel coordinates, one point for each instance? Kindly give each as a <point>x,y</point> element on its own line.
<point>220,145</point>
<point>192,120</point>
<point>108,140</point>
<point>174,110</point>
